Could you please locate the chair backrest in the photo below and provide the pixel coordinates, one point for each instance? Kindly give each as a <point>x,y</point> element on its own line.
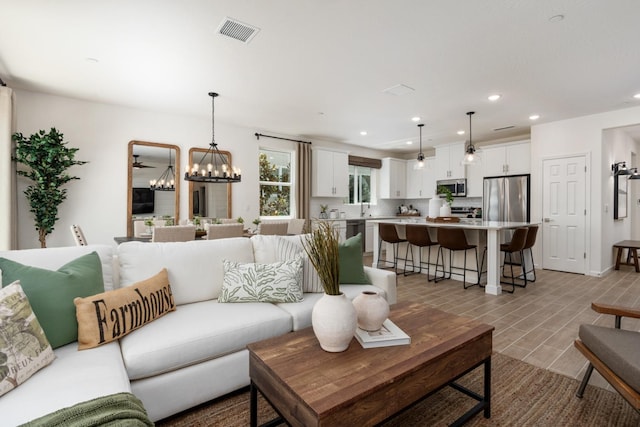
<point>139,228</point>
<point>222,231</point>
<point>78,235</point>
<point>296,226</point>
<point>174,233</point>
<point>453,238</point>
<point>531,237</point>
<point>418,235</point>
<point>273,227</point>
<point>388,233</point>
<point>518,240</point>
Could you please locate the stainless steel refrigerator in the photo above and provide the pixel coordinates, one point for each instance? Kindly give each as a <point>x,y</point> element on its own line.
<point>506,198</point>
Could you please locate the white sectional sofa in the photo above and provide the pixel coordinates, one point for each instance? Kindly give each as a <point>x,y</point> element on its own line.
<point>189,356</point>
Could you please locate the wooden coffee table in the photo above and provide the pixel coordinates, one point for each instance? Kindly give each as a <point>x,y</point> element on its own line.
<point>308,386</point>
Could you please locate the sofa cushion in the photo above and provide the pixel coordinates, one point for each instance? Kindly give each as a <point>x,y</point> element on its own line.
<point>350,261</point>
<point>195,268</point>
<point>286,248</point>
<point>51,293</point>
<point>264,248</point>
<point>619,349</point>
<point>109,316</point>
<point>200,331</point>
<point>24,348</point>
<point>73,377</point>
<point>251,282</point>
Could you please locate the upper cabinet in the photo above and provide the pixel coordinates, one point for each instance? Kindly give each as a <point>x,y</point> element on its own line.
<point>330,171</point>
<point>449,161</point>
<point>393,179</point>
<point>507,159</point>
<point>421,183</point>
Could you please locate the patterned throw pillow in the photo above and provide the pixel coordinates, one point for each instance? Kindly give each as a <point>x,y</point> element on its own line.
<point>249,282</point>
<point>24,348</point>
<point>287,249</point>
<point>108,316</point>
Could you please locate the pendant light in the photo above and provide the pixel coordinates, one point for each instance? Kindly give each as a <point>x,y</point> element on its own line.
<point>166,181</point>
<point>470,155</point>
<point>634,173</point>
<point>420,163</point>
<point>218,169</point>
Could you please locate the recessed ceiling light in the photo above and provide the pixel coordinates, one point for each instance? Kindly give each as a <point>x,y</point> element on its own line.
<point>637,96</point>
<point>363,133</point>
<point>460,132</point>
<point>409,142</point>
<point>556,18</point>
<point>415,119</point>
<point>94,60</point>
<point>534,117</point>
<point>494,97</point>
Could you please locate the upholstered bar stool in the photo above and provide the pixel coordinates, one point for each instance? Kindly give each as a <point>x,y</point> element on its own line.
<point>515,245</point>
<point>531,240</point>
<point>455,240</point>
<point>418,235</point>
<point>388,233</point>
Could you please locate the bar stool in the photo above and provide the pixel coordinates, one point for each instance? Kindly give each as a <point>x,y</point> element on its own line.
<point>515,245</point>
<point>418,235</point>
<point>531,240</point>
<point>454,240</point>
<point>388,233</point>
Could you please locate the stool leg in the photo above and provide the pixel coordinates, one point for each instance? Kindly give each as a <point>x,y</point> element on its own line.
<point>406,259</point>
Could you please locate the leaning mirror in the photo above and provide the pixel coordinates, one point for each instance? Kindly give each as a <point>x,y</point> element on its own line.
<point>209,200</point>
<point>150,192</point>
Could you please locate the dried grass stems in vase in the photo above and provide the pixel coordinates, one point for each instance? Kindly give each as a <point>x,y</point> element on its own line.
<point>321,245</point>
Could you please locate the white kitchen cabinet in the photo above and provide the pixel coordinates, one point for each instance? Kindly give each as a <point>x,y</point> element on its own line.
<point>449,161</point>
<point>393,179</point>
<point>507,159</point>
<point>330,173</point>
<point>421,183</point>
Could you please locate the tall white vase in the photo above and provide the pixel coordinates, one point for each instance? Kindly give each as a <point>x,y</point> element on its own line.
<point>334,322</point>
<point>434,206</point>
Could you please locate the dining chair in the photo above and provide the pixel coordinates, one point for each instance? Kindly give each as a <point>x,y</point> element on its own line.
<point>78,235</point>
<point>139,228</point>
<point>296,226</point>
<point>273,228</point>
<point>223,231</point>
<point>174,233</point>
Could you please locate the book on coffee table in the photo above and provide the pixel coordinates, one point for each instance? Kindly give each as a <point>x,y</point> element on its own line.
<point>388,335</point>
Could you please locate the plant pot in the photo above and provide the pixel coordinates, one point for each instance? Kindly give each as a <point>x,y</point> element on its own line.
<point>372,309</point>
<point>445,210</point>
<point>334,322</point>
<point>434,206</point>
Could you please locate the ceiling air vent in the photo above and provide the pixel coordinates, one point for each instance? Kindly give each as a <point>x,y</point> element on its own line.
<point>237,30</point>
<point>503,128</point>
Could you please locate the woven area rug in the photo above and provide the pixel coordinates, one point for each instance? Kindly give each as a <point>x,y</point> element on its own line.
<point>522,395</point>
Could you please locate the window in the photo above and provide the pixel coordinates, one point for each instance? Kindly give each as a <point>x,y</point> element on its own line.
<point>360,185</point>
<point>276,197</point>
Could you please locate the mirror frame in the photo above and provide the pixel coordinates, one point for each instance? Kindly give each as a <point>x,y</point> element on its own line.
<point>193,151</point>
<point>130,180</point>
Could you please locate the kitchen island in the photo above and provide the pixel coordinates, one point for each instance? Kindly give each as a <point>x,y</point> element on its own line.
<point>482,233</point>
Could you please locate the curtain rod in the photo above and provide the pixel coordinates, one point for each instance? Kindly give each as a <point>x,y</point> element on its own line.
<point>258,135</point>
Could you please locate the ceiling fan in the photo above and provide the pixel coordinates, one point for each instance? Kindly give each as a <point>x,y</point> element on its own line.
<point>138,165</point>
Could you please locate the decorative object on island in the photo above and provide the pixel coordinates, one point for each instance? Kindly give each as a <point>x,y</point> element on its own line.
<point>334,317</point>
<point>445,209</point>
<point>48,160</point>
<point>372,309</point>
<point>420,163</point>
<point>323,211</point>
<point>166,181</point>
<point>149,224</point>
<point>470,156</point>
<point>218,169</point>
<point>434,206</point>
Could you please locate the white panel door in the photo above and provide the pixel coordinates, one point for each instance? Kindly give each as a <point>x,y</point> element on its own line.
<point>564,214</point>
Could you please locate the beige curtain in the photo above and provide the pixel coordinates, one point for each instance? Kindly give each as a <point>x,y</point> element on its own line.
<point>8,199</point>
<point>303,180</point>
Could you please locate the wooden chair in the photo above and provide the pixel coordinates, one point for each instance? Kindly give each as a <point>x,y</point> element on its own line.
<point>223,231</point>
<point>78,235</point>
<point>614,352</point>
<point>174,233</point>
<point>273,228</point>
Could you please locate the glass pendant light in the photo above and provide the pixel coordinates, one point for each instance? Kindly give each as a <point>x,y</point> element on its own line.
<point>420,163</point>
<point>470,155</point>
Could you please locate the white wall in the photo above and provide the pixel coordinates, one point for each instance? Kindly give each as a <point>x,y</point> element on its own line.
<point>98,201</point>
<point>582,135</point>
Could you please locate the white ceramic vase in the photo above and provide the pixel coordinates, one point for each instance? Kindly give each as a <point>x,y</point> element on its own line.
<point>445,210</point>
<point>372,309</point>
<point>434,206</point>
<point>334,322</point>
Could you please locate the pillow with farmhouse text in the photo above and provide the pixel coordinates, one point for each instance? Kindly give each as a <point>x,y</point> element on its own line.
<point>51,293</point>
<point>111,315</point>
<point>287,249</point>
<point>249,282</point>
<point>24,348</point>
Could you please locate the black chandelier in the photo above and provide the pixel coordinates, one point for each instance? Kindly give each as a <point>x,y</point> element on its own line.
<point>166,181</point>
<point>218,169</point>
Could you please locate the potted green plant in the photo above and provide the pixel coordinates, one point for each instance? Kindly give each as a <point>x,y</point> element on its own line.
<point>149,224</point>
<point>446,193</point>
<point>323,211</point>
<point>48,159</point>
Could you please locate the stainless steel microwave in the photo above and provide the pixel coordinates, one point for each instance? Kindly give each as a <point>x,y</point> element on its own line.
<point>458,187</point>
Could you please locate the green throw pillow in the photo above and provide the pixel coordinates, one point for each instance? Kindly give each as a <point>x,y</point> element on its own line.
<point>350,257</point>
<point>51,293</point>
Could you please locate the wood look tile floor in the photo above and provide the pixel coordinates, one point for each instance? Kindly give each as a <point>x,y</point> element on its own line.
<point>537,324</point>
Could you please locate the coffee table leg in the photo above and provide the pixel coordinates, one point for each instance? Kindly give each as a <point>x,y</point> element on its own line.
<point>253,405</point>
<point>487,387</point>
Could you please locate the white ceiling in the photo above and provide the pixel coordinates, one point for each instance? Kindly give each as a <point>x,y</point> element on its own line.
<point>317,69</point>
